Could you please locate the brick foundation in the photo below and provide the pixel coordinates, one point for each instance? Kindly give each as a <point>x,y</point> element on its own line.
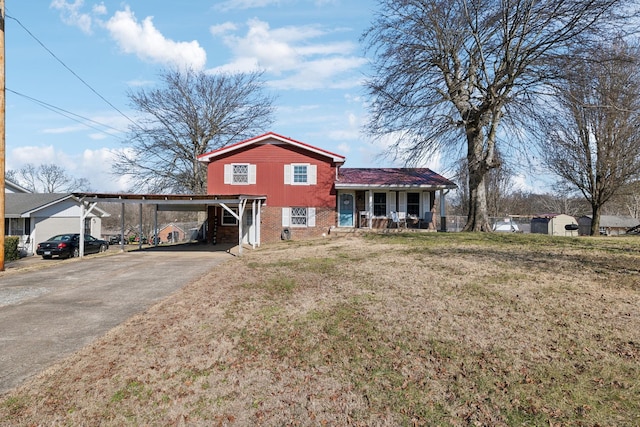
<point>271,229</point>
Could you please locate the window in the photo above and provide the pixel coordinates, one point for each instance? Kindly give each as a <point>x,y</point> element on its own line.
<point>298,217</point>
<point>300,174</point>
<point>228,218</point>
<point>240,174</point>
<point>16,228</point>
<point>379,204</point>
<point>413,204</point>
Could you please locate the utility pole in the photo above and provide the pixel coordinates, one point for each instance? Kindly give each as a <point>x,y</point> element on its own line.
<point>2,133</point>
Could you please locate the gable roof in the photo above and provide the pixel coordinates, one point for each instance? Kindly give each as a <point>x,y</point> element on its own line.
<point>12,187</point>
<point>391,178</point>
<point>19,205</point>
<point>269,138</point>
<point>616,221</point>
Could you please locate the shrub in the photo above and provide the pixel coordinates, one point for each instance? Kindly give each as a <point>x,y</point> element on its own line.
<point>11,248</point>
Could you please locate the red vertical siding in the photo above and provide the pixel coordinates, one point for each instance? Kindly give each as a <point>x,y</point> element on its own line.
<point>270,160</point>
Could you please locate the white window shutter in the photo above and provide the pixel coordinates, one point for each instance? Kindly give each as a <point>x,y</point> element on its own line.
<point>286,214</point>
<point>252,174</point>
<point>312,174</point>
<point>403,201</point>
<point>228,174</point>
<point>311,217</point>
<point>287,174</point>
<point>391,201</point>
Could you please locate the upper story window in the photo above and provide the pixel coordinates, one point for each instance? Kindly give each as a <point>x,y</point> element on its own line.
<point>300,174</point>
<point>239,174</point>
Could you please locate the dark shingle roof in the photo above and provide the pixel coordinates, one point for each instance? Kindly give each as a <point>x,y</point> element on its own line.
<point>391,177</point>
<point>18,203</point>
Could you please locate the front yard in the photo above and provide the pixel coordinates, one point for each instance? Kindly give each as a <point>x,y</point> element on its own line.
<point>398,329</point>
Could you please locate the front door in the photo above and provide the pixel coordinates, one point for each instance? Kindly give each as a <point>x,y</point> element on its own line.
<point>346,210</point>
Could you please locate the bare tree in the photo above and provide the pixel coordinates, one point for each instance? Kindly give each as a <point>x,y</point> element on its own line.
<point>192,114</point>
<point>592,140</point>
<point>47,178</point>
<point>448,73</point>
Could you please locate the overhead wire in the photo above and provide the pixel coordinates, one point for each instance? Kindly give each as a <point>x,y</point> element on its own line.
<point>74,74</point>
<point>68,114</point>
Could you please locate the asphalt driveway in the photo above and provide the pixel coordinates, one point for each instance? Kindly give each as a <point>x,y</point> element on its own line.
<point>52,308</point>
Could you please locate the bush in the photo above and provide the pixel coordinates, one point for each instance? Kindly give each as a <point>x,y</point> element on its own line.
<point>11,248</point>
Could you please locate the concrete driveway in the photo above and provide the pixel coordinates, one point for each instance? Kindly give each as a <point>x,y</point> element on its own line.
<point>52,308</point>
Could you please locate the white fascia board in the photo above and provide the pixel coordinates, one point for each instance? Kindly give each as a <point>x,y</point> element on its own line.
<point>207,158</point>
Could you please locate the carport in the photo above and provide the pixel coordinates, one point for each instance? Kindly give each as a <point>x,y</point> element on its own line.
<point>177,202</point>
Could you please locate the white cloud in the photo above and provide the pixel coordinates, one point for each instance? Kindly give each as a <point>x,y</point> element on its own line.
<point>95,165</point>
<point>292,55</point>
<point>245,4</point>
<point>145,41</point>
<point>99,9</point>
<point>71,15</point>
<point>253,4</point>
<point>221,29</point>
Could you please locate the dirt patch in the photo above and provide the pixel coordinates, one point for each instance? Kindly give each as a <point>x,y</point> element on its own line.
<point>384,330</point>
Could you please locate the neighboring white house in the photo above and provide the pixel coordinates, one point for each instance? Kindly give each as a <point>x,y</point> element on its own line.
<point>610,225</point>
<point>35,217</point>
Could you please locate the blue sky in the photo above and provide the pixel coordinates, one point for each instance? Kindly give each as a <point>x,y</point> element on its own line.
<point>310,50</point>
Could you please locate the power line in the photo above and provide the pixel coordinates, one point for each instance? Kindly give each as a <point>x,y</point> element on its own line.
<point>68,114</point>
<point>71,71</point>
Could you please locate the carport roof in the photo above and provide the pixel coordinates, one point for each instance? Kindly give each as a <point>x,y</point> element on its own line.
<point>192,202</point>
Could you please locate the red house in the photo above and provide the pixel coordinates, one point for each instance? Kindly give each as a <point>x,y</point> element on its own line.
<point>307,191</point>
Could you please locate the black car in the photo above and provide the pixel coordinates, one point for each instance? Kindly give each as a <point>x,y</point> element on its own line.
<point>68,245</point>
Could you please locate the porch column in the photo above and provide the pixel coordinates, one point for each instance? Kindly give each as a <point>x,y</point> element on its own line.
<point>370,219</point>
<point>443,212</point>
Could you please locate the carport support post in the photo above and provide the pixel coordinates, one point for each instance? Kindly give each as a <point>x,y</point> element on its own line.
<point>155,225</point>
<point>140,229</point>
<point>81,237</point>
<point>122,229</point>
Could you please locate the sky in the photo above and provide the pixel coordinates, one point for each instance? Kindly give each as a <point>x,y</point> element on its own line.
<point>71,64</point>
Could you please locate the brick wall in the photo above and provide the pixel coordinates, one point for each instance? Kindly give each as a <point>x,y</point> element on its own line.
<point>271,226</point>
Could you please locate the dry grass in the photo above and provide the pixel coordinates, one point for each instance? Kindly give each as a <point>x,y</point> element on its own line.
<point>403,329</point>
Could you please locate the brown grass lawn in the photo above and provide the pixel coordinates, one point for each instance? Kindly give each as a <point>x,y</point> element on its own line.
<point>381,330</point>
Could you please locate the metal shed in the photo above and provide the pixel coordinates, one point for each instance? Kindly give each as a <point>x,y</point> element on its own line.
<point>554,225</point>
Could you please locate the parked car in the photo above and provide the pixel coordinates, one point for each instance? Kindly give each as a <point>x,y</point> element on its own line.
<point>114,240</point>
<point>68,245</point>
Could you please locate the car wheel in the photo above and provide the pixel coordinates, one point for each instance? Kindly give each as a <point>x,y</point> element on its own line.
<point>75,253</point>
<point>103,248</point>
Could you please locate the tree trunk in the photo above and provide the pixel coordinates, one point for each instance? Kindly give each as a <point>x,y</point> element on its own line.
<point>595,220</point>
<point>479,161</point>
<point>478,219</point>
